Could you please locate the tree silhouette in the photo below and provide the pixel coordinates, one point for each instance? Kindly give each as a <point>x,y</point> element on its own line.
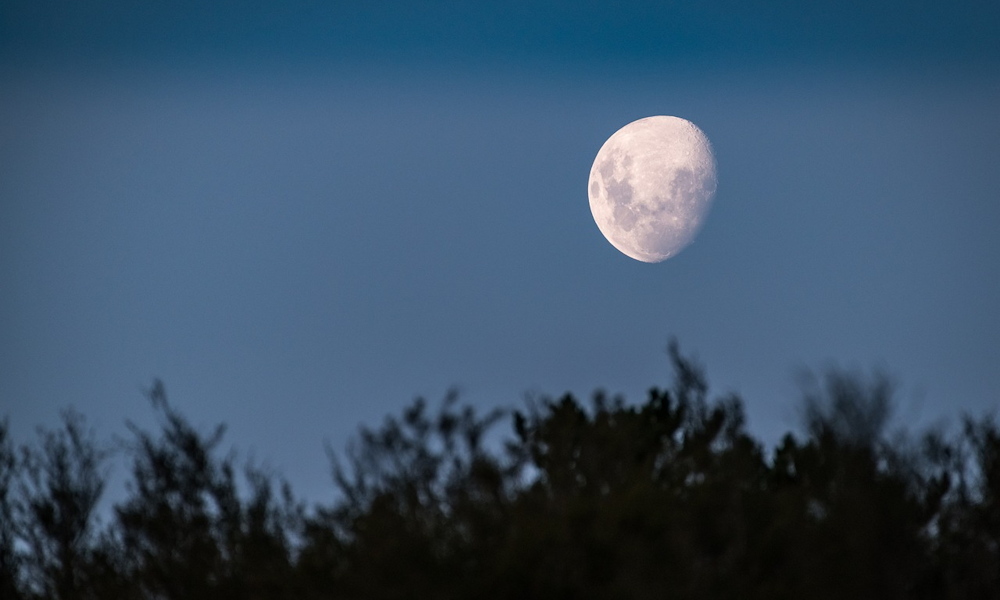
<point>61,485</point>
<point>185,530</point>
<point>670,497</point>
<point>638,502</point>
<point>860,525</point>
<point>968,524</point>
<point>10,562</point>
<point>422,502</point>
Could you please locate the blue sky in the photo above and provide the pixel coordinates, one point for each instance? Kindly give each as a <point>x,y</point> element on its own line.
<point>302,215</point>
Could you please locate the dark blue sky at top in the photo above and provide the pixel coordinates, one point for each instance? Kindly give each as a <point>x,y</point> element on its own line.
<point>301,215</point>
<point>470,32</point>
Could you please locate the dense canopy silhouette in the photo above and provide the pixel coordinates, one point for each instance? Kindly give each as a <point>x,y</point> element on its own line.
<point>671,497</point>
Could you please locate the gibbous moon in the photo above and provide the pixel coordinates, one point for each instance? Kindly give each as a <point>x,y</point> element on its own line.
<point>651,186</point>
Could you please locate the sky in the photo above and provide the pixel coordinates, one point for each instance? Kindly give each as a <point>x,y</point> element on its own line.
<point>302,215</point>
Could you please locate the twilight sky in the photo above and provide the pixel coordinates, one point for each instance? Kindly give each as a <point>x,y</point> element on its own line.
<point>300,215</point>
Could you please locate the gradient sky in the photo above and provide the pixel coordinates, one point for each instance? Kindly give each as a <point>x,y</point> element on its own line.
<point>302,215</point>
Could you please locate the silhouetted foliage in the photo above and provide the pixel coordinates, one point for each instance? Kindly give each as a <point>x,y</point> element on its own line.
<point>186,532</point>
<point>62,483</point>
<point>671,497</point>
<point>10,563</point>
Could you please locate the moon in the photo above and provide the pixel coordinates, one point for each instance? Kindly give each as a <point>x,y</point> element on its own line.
<point>651,186</point>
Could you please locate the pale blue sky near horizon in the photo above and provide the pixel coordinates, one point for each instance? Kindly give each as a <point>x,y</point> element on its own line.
<point>302,215</point>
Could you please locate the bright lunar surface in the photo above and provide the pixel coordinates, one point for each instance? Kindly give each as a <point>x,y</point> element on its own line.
<point>651,186</point>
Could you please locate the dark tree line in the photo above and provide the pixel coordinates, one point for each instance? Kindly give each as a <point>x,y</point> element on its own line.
<point>670,498</point>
